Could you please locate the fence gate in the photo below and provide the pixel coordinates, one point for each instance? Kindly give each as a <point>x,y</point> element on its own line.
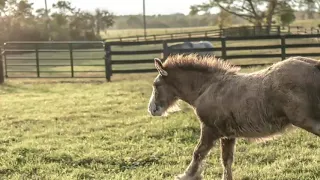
<point>54,59</point>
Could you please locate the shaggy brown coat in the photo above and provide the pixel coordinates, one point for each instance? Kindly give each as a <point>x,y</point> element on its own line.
<point>230,104</point>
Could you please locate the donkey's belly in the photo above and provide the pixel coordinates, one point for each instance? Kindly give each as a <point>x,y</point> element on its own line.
<point>255,129</point>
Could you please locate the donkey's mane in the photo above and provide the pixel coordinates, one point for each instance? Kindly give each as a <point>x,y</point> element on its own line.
<point>199,63</point>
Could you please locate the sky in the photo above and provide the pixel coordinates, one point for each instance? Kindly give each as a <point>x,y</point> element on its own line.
<point>127,7</point>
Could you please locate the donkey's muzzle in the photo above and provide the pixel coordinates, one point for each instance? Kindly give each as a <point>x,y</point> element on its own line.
<point>155,110</point>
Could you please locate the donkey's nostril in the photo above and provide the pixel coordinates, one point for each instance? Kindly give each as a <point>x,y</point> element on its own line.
<point>154,110</point>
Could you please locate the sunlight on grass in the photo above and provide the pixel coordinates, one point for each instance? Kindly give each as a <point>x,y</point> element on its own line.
<point>87,129</point>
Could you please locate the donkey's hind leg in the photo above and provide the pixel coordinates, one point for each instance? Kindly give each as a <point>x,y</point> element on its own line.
<point>310,125</point>
<point>300,118</point>
<point>206,142</point>
<point>227,151</point>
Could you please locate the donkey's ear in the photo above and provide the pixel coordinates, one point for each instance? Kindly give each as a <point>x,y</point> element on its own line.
<point>159,67</point>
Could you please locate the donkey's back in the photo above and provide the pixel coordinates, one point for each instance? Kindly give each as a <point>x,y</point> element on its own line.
<point>296,83</point>
<point>266,102</point>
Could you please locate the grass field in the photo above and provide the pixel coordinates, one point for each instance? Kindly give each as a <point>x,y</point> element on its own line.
<point>58,129</point>
<point>90,129</point>
<point>117,33</point>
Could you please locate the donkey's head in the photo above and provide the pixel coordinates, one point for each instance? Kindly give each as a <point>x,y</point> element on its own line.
<point>163,95</point>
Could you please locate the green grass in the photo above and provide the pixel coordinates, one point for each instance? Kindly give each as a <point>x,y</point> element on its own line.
<point>80,129</point>
<point>307,23</point>
<point>117,33</point>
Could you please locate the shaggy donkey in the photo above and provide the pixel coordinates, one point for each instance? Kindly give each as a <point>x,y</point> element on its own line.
<point>231,105</point>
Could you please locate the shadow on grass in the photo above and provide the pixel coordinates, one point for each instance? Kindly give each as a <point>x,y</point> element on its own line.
<point>9,88</point>
<point>6,171</point>
<point>133,163</point>
<point>58,81</point>
<point>183,135</point>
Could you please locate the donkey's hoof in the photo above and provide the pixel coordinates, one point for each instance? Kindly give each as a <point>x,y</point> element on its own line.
<point>186,177</point>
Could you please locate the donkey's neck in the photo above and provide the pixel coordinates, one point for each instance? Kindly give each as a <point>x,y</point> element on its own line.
<point>193,84</point>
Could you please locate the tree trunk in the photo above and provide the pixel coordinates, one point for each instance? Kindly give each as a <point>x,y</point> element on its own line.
<point>98,28</point>
<point>271,8</point>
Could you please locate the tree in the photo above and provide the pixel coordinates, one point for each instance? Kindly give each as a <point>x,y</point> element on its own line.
<point>134,22</point>
<point>255,11</point>
<point>107,19</point>
<point>19,21</point>
<point>103,20</point>
<point>310,6</point>
<point>224,19</point>
<point>64,7</point>
<point>286,16</point>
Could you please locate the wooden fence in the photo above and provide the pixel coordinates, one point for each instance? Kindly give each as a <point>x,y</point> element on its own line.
<point>103,60</point>
<point>232,31</point>
<point>224,50</point>
<point>53,59</point>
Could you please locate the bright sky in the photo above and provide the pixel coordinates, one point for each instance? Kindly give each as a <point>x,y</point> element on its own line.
<point>125,7</point>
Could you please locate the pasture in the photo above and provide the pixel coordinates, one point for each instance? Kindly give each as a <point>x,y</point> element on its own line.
<point>90,129</point>
<point>116,33</point>
<point>80,129</point>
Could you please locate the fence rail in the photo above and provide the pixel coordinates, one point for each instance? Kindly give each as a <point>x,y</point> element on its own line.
<point>231,31</point>
<point>36,60</point>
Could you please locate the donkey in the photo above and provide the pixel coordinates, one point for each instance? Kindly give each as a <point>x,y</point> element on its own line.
<point>231,105</point>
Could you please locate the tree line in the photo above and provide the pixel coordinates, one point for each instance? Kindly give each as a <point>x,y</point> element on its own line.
<point>260,12</point>
<point>19,21</point>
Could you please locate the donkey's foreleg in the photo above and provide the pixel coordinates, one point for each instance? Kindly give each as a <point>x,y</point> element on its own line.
<point>227,151</point>
<point>206,142</point>
<point>309,124</point>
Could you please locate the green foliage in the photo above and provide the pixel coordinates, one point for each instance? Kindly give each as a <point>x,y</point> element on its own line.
<point>286,15</point>
<point>256,12</point>
<point>249,10</point>
<point>21,22</point>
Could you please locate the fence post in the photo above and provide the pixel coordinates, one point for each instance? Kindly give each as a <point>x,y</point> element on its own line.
<point>4,56</point>
<point>221,32</point>
<point>37,60</point>
<point>283,47</point>
<point>223,48</point>
<point>1,68</point>
<point>108,61</point>
<point>165,50</point>
<point>71,59</point>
